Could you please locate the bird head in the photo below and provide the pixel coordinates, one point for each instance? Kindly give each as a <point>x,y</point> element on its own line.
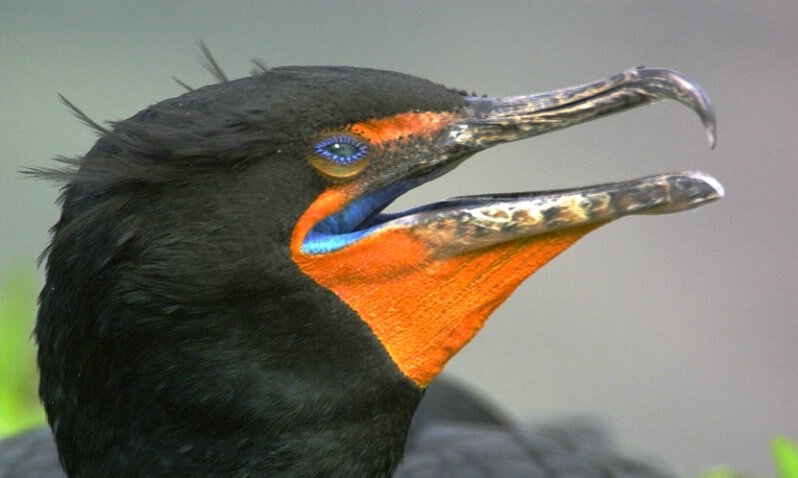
<point>223,273</point>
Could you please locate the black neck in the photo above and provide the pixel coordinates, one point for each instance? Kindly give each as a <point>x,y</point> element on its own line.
<point>286,382</point>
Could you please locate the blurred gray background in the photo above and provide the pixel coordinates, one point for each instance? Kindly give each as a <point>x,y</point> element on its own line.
<point>679,331</point>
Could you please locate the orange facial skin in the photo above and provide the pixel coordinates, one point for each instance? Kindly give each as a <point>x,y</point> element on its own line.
<point>400,126</point>
<point>422,306</point>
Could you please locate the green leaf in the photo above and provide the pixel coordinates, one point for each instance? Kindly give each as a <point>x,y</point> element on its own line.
<point>19,403</point>
<point>785,456</point>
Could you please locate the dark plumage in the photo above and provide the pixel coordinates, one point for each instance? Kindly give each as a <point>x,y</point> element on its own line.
<point>180,332</point>
<point>454,434</point>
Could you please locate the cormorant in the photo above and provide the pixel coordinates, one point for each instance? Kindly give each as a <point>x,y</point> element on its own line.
<point>224,296</point>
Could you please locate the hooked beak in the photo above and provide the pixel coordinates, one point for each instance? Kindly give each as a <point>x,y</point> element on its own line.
<point>472,222</point>
<point>499,120</point>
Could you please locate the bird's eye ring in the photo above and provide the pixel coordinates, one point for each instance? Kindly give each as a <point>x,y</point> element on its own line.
<point>340,155</point>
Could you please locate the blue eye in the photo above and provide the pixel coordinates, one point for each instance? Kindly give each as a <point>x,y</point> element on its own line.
<point>343,150</point>
<point>340,155</point>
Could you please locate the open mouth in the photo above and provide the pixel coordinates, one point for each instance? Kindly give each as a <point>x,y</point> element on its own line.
<point>471,222</point>
<point>461,224</point>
